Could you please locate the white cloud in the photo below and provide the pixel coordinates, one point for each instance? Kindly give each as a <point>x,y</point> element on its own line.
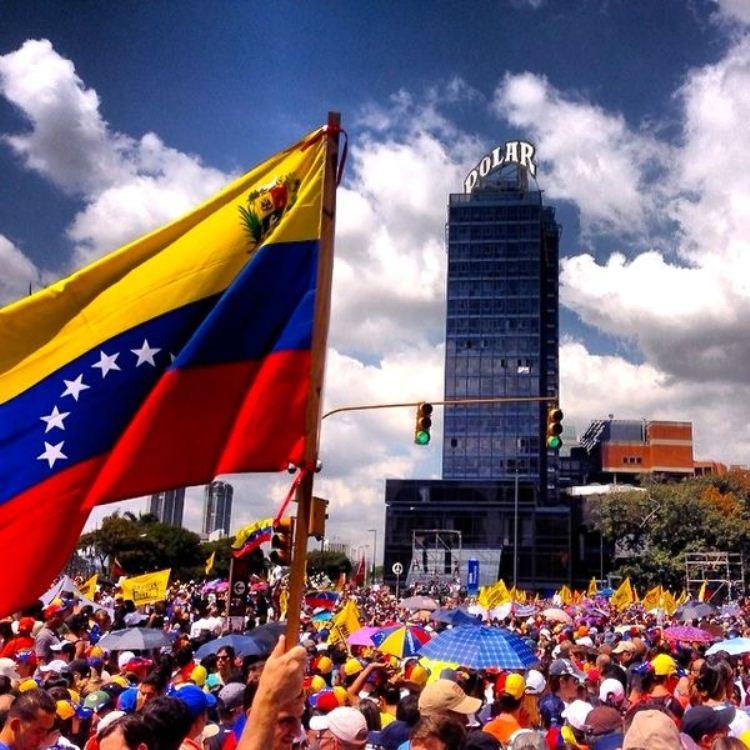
<point>129,186</point>
<point>18,272</point>
<point>734,11</point>
<point>590,156</point>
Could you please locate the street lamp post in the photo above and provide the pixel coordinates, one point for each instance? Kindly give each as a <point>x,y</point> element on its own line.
<point>374,533</point>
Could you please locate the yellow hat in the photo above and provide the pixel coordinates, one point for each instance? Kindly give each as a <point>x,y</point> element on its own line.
<point>325,665</point>
<point>515,686</point>
<point>118,679</point>
<point>65,710</point>
<point>745,738</point>
<point>26,685</point>
<point>199,675</point>
<point>663,665</point>
<point>96,652</point>
<point>417,674</point>
<point>341,695</point>
<point>352,666</point>
<point>75,696</point>
<point>315,684</point>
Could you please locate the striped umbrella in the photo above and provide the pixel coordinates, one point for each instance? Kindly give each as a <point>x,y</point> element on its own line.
<point>481,648</point>
<point>688,634</point>
<point>401,641</point>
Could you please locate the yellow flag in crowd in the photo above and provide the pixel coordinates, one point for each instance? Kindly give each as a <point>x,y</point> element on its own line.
<point>344,623</point>
<point>517,595</point>
<point>682,598</point>
<point>566,595</point>
<point>210,562</point>
<point>283,603</point>
<point>653,598</point>
<point>669,603</point>
<point>702,592</point>
<point>623,597</point>
<point>592,590</point>
<point>88,589</point>
<point>148,588</point>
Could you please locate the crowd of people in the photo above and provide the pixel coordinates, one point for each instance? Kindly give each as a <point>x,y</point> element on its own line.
<point>603,679</point>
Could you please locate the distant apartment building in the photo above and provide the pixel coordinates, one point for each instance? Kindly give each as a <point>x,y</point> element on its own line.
<point>217,508</point>
<point>168,506</point>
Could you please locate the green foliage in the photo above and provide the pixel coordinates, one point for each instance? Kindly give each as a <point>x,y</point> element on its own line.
<point>654,529</point>
<point>330,563</point>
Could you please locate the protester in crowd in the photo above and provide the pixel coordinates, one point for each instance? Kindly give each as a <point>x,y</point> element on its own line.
<point>127,733</point>
<point>31,719</point>
<point>434,732</point>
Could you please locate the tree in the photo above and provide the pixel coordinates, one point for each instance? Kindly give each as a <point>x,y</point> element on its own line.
<point>330,563</point>
<point>654,529</point>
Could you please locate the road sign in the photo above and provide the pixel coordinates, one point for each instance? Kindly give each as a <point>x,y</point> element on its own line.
<point>397,568</point>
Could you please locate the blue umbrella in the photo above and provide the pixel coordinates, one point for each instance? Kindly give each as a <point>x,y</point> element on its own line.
<point>243,645</point>
<point>480,648</point>
<point>454,617</point>
<point>734,647</point>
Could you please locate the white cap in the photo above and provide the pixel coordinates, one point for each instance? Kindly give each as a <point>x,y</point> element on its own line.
<point>535,682</point>
<point>577,713</point>
<point>125,658</point>
<point>56,665</point>
<point>8,669</point>
<point>585,641</point>
<point>105,721</point>
<point>614,688</point>
<point>345,723</point>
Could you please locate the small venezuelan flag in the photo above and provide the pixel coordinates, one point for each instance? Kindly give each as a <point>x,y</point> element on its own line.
<point>180,356</point>
<point>251,537</point>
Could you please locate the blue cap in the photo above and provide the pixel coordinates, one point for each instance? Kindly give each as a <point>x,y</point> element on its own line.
<point>128,700</point>
<point>195,699</point>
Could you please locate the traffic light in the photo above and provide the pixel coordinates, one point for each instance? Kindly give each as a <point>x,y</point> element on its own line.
<point>282,542</point>
<point>318,518</point>
<point>554,427</point>
<point>423,423</point>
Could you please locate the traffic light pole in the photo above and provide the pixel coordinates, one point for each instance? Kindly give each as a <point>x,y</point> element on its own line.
<point>449,402</point>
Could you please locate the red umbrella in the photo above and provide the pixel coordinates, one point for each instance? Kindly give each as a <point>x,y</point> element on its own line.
<point>688,634</point>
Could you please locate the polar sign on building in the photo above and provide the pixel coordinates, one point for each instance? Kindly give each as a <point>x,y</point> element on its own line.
<point>520,153</point>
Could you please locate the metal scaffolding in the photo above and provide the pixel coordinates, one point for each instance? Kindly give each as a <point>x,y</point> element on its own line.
<point>435,558</point>
<point>723,572</point>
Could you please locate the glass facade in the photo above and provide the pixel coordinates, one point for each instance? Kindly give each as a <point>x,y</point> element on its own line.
<point>501,332</point>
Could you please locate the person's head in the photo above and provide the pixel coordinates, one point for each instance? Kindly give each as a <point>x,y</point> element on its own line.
<point>230,702</point>
<point>225,659</point>
<point>704,724</point>
<point>564,679</point>
<point>714,681</point>
<point>408,710</point>
<point>197,703</point>
<point>728,743</point>
<point>289,724</point>
<point>652,729</point>
<point>169,721</point>
<point>624,652</point>
<point>665,671</point>
<point>31,719</point>
<point>344,728</point>
<point>444,697</point>
<point>601,721</point>
<point>611,692</point>
<point>434,732</point>
<point>130,732</point>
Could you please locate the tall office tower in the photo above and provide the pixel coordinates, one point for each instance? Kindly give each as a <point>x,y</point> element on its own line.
<point>217,508</point>
<point>501,330</point>
<point>168,506</point>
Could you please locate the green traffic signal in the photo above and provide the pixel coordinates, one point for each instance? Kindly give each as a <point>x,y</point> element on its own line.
<point>554,427</point>
<point>422,423</point>
<point>422,437</point>
<point>554,442</point>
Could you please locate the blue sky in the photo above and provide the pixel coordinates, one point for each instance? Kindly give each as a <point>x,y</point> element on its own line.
<point>128,114</point>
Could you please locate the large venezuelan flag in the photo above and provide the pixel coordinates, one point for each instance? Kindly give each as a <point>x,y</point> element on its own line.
<point>183,355</point>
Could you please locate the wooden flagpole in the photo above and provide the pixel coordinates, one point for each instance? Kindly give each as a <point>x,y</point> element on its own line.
<point>317,367</point>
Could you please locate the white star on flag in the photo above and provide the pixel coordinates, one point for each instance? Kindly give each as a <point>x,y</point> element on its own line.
<point>74,387</point>
<point>55,419</point>
<point>145,354</point>
<point>107,362</point>
<point>52,453</point>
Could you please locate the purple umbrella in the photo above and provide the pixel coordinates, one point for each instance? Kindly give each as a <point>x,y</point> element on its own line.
<point>688,634</point>
<point>361,637</point>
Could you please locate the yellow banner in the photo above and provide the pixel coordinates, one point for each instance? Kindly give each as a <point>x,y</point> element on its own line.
<point>653,598</point>
<point>88,589</point>
<point>148,588</point>
<point>210,562</point>
<point>623,597</point>
<point>345,623</point>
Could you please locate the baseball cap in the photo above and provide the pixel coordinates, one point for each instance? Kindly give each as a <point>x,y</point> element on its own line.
<point>515,686</point>
<point>577,713</point>
<point>624,646</point>
<point>56,665</point>
<point>195,699</point>
<point>603,720</point>
<point>232,695</point>
<point>324,701</point>
<point>535,682</point>
<point>652,729</point>
<point>663,665</point>
<point>25,625</point>
<point>128,700</point>
<point>562,667</point>
<point>28,684</point>
<point>700,720</point>
<point>97,700</point>
<point>324,665</point>
<point>124,658</point>
<point>345,723</point>
<point>352,666</point>
<point>341,695</point>
<point>8,669</point>
<point>445,695</point>
<point>199,675</point>
<point>110,718</point>
<point>611,688</point>
<point>313,684</point>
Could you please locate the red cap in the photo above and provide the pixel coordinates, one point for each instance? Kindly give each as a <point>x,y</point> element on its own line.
<point>25,625</point>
